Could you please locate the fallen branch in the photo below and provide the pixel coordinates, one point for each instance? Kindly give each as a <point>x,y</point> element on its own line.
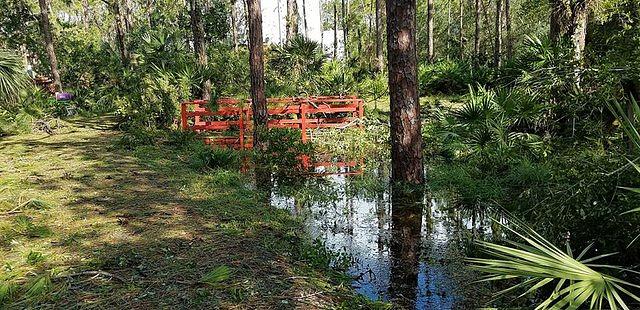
<point>94,273</point>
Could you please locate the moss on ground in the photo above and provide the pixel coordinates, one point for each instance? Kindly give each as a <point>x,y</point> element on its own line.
<point>74,203</point>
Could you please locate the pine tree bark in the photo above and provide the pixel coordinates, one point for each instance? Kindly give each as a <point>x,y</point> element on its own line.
<point>199,47</point>
<point>304,18</point>
<point>234,25</point>
<point>120,33</point>
<point>256,67</point>
<point>345,28</point>
<point>85,14</point>
<point>406,139</point>
<point>476,38</point>
<point>430,13</point>
<point>461,32</point>
<point>579,15</point>
<point>507,21</point>
<point>558,20</point>
<point>335,30</point>
<point>292,20</point>
<point>497,52</point>
<point>379,57</point>
<point>45,25</point>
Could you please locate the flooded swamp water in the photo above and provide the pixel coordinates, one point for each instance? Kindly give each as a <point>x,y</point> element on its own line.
<point>408,249</point>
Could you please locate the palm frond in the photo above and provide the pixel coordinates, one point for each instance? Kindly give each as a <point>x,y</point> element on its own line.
<point>13,78</point>
<point>539,263</point>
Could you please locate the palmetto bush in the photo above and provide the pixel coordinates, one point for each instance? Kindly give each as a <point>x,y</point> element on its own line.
<point>13,79</point>
<point>575,282</point>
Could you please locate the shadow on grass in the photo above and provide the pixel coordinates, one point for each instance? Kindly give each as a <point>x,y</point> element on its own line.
<point>158,225</point>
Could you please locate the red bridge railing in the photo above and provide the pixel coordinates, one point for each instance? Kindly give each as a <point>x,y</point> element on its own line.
<point>231,123</point>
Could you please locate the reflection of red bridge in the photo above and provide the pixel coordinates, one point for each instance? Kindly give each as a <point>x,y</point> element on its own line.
<point>231,124</point>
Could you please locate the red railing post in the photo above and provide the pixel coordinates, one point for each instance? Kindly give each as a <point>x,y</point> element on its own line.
<point>303,121</point>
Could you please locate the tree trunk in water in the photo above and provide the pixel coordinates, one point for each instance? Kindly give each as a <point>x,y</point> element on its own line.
<point>292,20</point>
<point>304,18</point>
<point>406,139</point>
<point>461,34</point>
<point>497,52</point>
<point>122,46</point>
<point>256,66</point>
<point>345,28</point>
<point>430,13</point>
<point>379,57</point>
<point>335,30</point>
<point>234,24</point>
<point>476,39</point>
<point>199,45</point>
<point>507,17</point>
<point>45,25</point>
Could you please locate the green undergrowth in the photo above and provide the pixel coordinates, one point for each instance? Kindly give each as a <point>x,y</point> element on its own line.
<point>91,217</point>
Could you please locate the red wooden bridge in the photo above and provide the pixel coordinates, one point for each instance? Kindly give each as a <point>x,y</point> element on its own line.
<point>231,123</point>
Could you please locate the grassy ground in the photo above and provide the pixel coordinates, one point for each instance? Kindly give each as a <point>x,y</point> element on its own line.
<point>73,203</point>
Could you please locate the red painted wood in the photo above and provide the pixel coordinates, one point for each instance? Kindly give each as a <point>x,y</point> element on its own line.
<point>293,112</point>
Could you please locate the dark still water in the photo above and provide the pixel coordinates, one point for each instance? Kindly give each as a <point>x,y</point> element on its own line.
<point>409,249</point>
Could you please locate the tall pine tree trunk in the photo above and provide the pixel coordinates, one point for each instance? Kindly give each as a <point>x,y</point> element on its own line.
<point>256,66</point>
<point>461,26</point>
<point>335,30</point>
<point>292,20</point>
<point>45,25</point>
<point>507,21</point>
<point>430,12</point>
<point>199,48</point>
<point>476,38</point>
<point>304,18</point>
<point>85,14</point>
<point>234,25</point>
<point>345,28</point>
<point>379,57</point>
<point>406,139</point>
<point>497,52</point>
<point>120,33</point>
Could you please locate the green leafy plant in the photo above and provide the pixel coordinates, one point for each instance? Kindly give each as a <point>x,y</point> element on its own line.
<point>13,79</point>
<point>538,263</point>
<point>217,275</point>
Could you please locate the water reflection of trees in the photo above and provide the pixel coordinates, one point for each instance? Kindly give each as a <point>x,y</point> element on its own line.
<point>406,228</point>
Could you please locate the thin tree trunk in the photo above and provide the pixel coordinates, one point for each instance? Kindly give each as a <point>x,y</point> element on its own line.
<point>335,30</point>
<point>199,45</point>
<point>345,28</point>
<point>292,20</point>
<point>476,39</point>
<point>321,24</point>
<point>359,41</point>
<point>461,33</point>
<point>448,28</point>
<point>279,24</point>
<point>430,13</point>
<point>507,17</point>
<point>120,35</point>
<point>256,66</point>
<point>85,14</point>
<point>558,20</point>
<point>45,25</point>
<point>127,16</point>
<point>497,52</point>
<point>234,24</point>
<point>379,57</point>
<point>579,28</point>
<point>304,18</point>
<point>406,139</point>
